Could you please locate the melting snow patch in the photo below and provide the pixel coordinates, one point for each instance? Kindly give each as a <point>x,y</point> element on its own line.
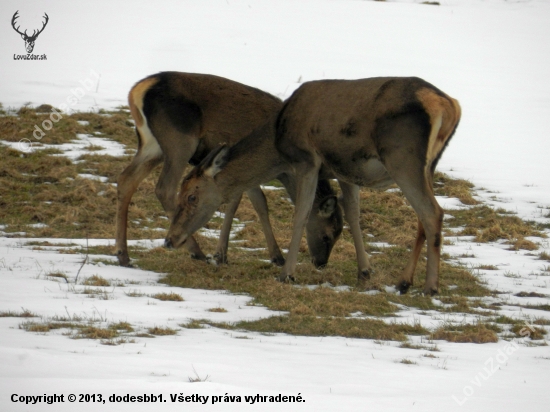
<point>450,203</point>
<point>75,148</point>
<point>93,177</point>
<point>38,225</point>
<point>265,187</point>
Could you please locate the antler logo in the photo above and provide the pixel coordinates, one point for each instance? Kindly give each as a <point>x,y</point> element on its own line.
<point>29,40</point>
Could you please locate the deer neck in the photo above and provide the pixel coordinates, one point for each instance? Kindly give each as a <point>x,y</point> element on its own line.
<point>252,161</point>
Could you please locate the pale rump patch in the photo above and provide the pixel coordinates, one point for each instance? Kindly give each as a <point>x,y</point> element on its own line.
<point>135,98</point>
<point>149,146</point>
<point>444,112</point>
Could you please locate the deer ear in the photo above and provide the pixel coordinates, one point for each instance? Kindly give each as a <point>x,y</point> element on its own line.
<point>216,161</point>
<point>328,206</point>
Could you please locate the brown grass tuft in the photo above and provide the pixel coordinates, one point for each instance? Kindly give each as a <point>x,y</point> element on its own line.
<point>159,331</point>
<point>467,333</point>
<point>96,280</point>
<point>168,296</point>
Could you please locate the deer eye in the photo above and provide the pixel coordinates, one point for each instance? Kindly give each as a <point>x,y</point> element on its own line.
<point>191,198</point>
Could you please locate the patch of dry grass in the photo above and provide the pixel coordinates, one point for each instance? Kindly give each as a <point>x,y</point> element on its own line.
<point>408,345</point>
<point>217,310</point>
<point>307,325</point>
<point>96,280</point>
<point>194,324</point>
<point>160,331</point>
<point>30,181</point>
<point>39,187</point>
<point>168,296</point>
<point>467,333</point>
<point>489,225</point>
<point>113,334</point>
<point>121,326</point>
<point>25,313</point>
<point>532,332</point>
<point>459,188</point>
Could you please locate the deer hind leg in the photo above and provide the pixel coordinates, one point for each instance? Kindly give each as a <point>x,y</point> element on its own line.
<point>417,189</point>
<point>306,184</point>
<point>128,182</point>
<point>259,202</point>
<point>434,243</point>
<point>351,212</point>
<point>406,280</point>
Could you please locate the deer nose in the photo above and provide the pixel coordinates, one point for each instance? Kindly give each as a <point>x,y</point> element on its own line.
<point>168,243</point>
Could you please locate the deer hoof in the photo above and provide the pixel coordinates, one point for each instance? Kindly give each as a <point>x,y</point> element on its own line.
<point>278,261</point>
<point>403,287</point>
<point>123,259</point>
<point>364,275</point>
<point>430,291</point>
<point>199,257</point>
<point>286,279</point>
<point>218,259</point>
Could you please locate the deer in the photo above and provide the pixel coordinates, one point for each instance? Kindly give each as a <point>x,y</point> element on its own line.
<point>179,118</point>
<point>365,133</point>
<point>29,40</point>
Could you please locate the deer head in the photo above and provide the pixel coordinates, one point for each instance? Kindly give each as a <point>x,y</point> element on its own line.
<point>323,228</point>
<point>29,40</point>
<point>198,199</point>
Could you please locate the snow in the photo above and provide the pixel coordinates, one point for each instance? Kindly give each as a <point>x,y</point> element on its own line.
<point>329,373</point>
<point>492,55</point>
<point>75,149</point>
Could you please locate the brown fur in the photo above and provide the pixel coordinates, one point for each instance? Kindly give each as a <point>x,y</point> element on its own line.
<point>400,128</point>
<point>229,171</point>
<point>135,98</point>
<point>181,117</point>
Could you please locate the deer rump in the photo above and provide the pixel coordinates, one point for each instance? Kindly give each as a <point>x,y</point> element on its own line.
<point>370,133</point>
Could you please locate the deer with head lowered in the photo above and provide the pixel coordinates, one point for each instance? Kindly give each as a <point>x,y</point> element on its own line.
<point>369,132</point>
<point>180,118</point>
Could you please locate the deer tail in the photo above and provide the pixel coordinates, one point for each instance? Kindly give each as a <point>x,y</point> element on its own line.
<point>147,143</point>
<point>444,113</point>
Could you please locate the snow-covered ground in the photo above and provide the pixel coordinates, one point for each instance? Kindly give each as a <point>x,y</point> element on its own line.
<point>328,373</point>
<point>492,55</point>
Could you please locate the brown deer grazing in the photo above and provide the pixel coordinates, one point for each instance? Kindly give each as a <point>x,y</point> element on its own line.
<point>180,118</point>
<point>369,132</point>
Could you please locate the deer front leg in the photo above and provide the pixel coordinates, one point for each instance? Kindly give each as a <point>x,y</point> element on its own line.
<point>351,211</point>
<point>223,243</point>
<point>259,202</point>
<point>305,194</point>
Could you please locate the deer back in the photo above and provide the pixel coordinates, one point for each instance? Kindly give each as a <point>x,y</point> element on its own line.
<point>346,123</point>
